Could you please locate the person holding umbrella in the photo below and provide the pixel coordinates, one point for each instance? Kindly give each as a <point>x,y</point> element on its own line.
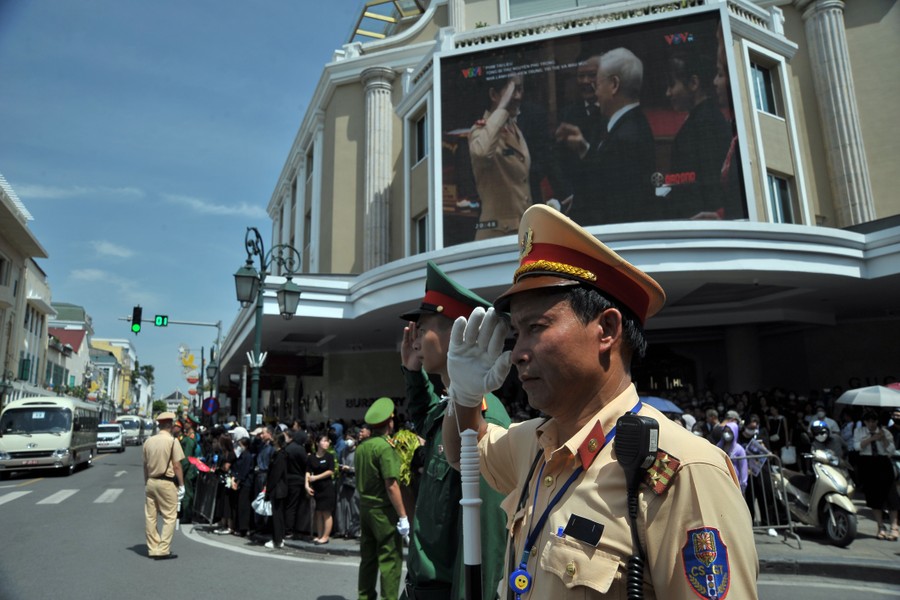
<point>876,473</point>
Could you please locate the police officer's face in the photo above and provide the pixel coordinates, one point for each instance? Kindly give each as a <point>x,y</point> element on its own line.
<point>557,356</point>
<point>432,342</point>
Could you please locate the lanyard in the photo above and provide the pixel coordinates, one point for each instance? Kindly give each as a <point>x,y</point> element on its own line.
<point>520,579</point>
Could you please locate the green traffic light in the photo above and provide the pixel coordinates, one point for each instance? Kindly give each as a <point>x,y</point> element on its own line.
<point>136,327</point>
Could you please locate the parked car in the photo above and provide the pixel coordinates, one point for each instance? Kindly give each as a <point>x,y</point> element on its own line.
<point>110,436</point>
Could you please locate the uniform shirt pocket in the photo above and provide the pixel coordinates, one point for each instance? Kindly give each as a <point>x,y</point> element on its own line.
<point>578,564</point>
<point>438,467</point>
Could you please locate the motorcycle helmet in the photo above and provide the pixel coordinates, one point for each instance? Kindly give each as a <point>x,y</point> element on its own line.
<point>819,431</point>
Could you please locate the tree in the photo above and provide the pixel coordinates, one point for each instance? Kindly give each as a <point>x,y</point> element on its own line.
<point>146,371</point>
<point>159,405</point>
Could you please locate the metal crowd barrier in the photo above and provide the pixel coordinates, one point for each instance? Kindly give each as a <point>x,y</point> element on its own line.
<point>205,490</point>
<point>766,496</point>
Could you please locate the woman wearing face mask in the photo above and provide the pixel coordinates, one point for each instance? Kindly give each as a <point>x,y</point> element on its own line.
<point>729,443</point>
<point>348,498</point>
<point>876,474</point>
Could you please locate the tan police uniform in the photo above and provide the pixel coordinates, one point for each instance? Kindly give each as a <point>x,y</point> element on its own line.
<point>500,163</point>
<point>161,490</point>
<point>692,521</point>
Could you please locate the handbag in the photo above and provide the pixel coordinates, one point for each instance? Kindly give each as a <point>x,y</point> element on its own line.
<point>788,455</point>
<point>261,506</point>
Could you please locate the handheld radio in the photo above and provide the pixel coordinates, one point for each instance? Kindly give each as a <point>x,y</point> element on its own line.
<point>637,440</point>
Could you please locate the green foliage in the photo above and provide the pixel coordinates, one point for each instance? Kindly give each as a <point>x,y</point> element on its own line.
<point>159,406</point>
<point>480,24</point>
<point>405,443</point>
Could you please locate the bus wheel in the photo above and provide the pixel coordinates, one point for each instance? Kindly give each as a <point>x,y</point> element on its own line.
<point>71,468</point>
<point>90,460</point>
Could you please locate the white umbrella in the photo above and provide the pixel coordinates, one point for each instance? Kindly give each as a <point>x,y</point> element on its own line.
<point>874,395</point>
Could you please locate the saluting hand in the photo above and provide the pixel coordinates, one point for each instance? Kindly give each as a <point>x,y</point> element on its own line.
<point>476,361</point>
<point>408,356</point>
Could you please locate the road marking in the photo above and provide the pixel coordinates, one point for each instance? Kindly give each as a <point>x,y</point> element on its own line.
<point>58,497</point>
<point>12,496</point>
<point>120,473</point>
<point>108,496</point>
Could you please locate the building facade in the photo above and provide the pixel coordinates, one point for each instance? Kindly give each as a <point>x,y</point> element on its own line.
<point>24,302</point>
<point>778,243</point>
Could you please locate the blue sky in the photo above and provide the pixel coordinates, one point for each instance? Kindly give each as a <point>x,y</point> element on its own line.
<point>145,137</point>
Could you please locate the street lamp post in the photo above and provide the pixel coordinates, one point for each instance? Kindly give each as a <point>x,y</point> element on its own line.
<point>250,285</point>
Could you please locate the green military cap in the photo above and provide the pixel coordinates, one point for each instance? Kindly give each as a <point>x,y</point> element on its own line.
<point>193,418</point>
<point>443,296</point>
<point>380,412</point>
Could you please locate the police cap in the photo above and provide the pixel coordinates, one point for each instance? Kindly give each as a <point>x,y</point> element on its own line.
<point>380,412</point>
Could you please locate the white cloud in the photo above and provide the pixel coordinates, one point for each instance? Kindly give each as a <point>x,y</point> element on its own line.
<point>39,191</point>
<point>208,208</point>
<point>109,284</point>
<point>110,249</point>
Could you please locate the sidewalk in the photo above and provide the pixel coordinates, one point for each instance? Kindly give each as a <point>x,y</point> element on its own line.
<point>866,558</point>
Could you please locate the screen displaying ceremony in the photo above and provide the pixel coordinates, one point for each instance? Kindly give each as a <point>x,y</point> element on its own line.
<point>610,126</point>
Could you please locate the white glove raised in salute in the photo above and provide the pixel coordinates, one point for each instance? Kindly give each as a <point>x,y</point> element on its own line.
<point>476,362</point>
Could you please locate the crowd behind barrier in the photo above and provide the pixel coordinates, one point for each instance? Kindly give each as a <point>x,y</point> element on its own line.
<point>772,428</point>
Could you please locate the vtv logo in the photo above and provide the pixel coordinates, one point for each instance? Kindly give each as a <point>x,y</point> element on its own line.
<point>472,72</point>
<point>673,39</point>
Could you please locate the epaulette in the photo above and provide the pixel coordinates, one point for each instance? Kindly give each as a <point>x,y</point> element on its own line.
<point>662,472</point>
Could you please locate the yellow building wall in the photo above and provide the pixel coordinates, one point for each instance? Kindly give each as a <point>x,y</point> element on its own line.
<point>873,37</point>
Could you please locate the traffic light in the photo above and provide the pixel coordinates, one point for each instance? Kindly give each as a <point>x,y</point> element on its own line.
<point>161,320</point>
<point>136,320</point>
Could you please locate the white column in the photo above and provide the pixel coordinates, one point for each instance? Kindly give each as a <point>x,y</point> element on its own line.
<point>316,200</point>
<point>833,79</point>
<point>457,13</point>
<point>300,240</point>
<point>379,159</point>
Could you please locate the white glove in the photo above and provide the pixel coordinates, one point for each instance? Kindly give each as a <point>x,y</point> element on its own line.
<point>476,362</point>
<point>180,492</point>
<point>403,526</point>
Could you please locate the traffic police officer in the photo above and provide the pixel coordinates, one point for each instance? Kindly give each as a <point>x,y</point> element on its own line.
<point>163,487</point>
<point>578,310</point>
<point>383,521</point>
<point>434,559</point>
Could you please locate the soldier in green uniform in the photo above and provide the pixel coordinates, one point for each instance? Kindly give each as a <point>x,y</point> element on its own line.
<point>383,521</point>
<point>189,447</point>
<point>435,567</point>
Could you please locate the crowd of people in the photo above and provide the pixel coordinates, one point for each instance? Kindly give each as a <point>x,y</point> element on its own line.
<point>863,439</point>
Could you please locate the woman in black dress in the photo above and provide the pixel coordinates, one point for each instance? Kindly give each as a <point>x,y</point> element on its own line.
<point>277,491</point>
<point>320,485</point>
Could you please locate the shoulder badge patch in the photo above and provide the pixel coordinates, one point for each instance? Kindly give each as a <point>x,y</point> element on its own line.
<point>661,473</point>
<point>706,563</point>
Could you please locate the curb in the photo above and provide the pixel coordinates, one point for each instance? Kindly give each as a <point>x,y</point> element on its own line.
<point>856,569</point>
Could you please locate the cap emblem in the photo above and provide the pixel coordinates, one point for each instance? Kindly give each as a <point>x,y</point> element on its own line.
<point>525,246</point>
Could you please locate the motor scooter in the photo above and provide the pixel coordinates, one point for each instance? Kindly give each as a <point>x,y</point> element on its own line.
<point>819,497</point>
